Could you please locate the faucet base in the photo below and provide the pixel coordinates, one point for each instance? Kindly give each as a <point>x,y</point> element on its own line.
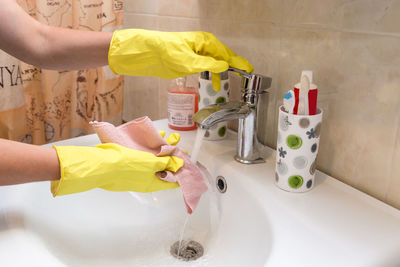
<point>246,161</point>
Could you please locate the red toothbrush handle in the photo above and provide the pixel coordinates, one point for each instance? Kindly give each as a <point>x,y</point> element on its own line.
<point>312,101</point>
<point>296,100</point>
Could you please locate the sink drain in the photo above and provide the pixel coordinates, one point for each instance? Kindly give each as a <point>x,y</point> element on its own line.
<point>221,184</point>
<point>189,251</point>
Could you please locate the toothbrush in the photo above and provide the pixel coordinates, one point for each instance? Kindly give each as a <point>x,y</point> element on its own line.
<point>289,101</point>
<point>303,94</point>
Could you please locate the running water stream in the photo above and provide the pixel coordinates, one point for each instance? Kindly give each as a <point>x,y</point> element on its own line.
<point>197,144</point>
<point>193,158</point>
<point>181,235</point>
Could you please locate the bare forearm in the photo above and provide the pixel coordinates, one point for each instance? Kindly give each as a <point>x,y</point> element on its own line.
<point>23,163</point>
<point>50,47</point>
<point>74,49</point>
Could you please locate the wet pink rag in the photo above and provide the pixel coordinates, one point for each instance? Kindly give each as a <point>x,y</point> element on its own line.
<point>140,134</point>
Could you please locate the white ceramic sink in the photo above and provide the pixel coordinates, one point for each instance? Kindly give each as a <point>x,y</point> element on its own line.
<point>253,224</point>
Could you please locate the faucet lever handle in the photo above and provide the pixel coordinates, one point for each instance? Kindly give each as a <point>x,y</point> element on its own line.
<point>241,72</point>
<point>253,82</point>
<point>256,83</point>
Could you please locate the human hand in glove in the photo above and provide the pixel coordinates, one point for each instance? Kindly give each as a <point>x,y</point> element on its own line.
<point>171,55</point>
<point>108,166</point>
<point>112,167</point>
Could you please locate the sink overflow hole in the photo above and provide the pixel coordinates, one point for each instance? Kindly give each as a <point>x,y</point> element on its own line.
<point>221,184</point>
<point>189,250</point>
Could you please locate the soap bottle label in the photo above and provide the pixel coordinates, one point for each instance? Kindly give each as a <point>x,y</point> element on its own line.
<point>181,109</point>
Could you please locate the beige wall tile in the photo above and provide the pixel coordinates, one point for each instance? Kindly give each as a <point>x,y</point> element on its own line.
<point>249,10</point>
<point>366,15</point>
<point>163,98</point>
<point>141,98</point>
<point>140,21</point>
<point>372,15</point>
<point>373,65</point>
<point>180,8</point>
<point>178,24</point>
<point>239,10</point>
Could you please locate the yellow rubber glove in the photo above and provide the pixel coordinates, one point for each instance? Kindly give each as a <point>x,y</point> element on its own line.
<point>171,139</point>
<point>111,167</point>
<point>171,55</point>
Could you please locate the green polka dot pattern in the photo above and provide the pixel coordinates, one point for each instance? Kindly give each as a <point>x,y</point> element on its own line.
<point>294,141</point>
<point>220,100</point>
<point>295,181</point>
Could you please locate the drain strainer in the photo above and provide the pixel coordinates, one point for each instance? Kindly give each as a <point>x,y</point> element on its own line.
<point>189,251</point>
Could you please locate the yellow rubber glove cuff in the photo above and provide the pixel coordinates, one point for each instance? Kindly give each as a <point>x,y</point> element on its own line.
<point>170,55</point>
<point>111,167</point>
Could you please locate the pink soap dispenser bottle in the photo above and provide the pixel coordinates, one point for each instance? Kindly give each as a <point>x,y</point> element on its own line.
<point>183,103</point>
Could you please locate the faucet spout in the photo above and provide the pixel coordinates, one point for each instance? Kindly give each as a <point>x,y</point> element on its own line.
<point>209,116</point>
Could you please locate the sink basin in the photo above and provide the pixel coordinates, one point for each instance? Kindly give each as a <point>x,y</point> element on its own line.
<point>252,224</point>
<point>100,228</point>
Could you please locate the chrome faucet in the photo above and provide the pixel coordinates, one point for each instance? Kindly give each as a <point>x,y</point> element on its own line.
<point>249,148</point>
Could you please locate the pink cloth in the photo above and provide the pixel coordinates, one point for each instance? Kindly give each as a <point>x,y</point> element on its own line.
<point>140,134</point>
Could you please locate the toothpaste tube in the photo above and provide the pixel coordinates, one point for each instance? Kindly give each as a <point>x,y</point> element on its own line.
<point>312,100</point>
<point>309,104</point>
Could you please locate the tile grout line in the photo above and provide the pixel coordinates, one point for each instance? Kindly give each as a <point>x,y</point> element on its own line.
<point>333,29</point>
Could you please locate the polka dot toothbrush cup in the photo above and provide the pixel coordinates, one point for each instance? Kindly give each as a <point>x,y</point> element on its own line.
<point>297,149</point>
<point>208,96</point>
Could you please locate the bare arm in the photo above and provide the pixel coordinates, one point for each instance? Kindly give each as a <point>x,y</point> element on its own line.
<point>25,163</point>
<point>49,47</point>
<point>45,47</point>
